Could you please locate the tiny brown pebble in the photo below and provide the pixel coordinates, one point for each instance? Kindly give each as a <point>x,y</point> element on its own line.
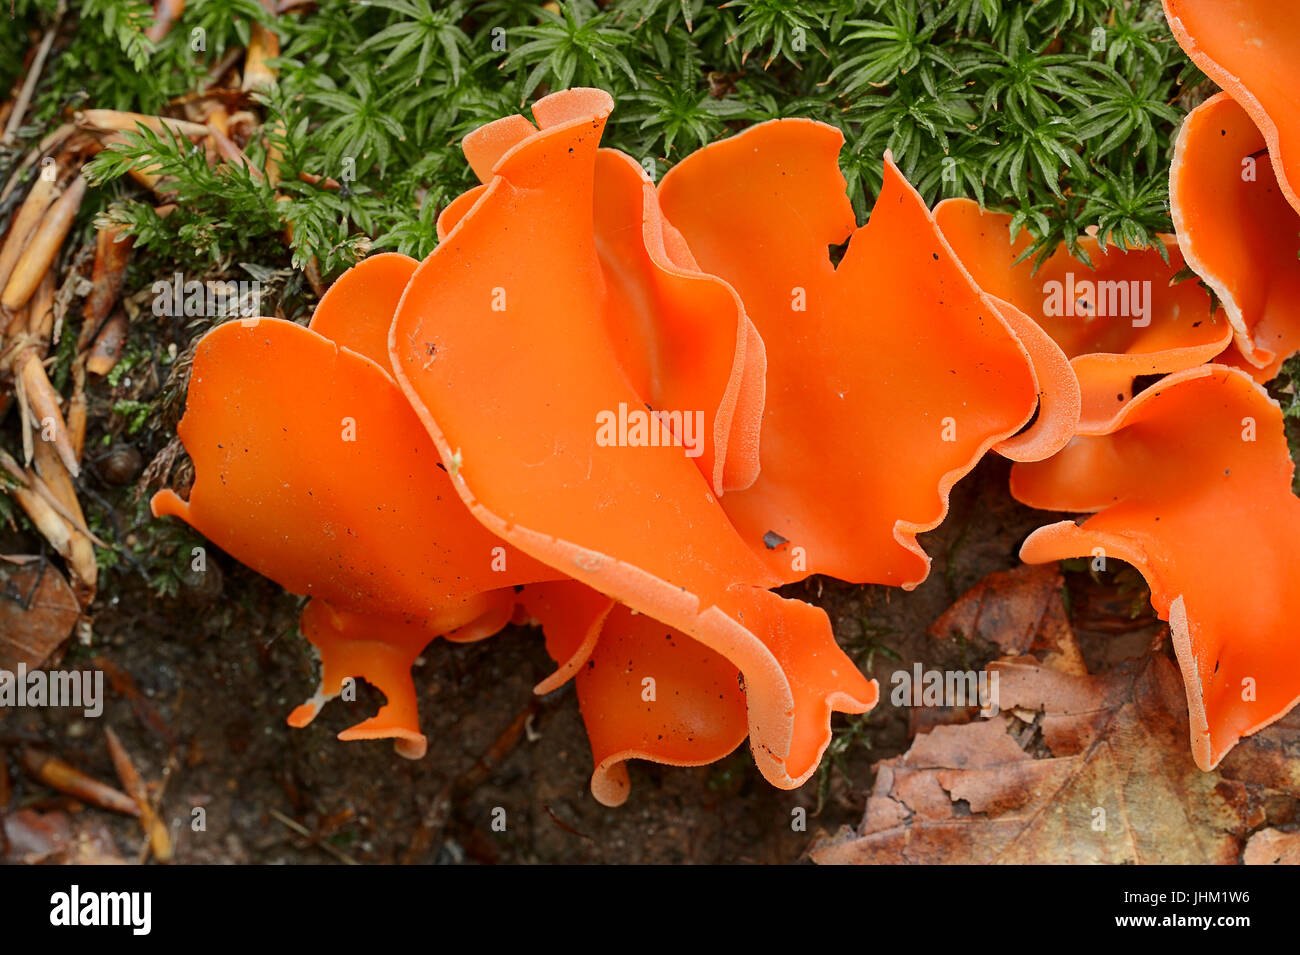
<point>206,584</point>
<point>121,465</point>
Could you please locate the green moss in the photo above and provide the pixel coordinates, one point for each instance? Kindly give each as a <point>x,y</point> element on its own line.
<point>1056,110</point>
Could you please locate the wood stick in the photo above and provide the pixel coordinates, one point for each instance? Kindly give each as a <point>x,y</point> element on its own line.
<point>12,334</point>
<point>228,151</point>
<point>112,255</point>
<point>43,407</point>
<point>220,69</point>
<point>33,76</point>
<point>119,121</point>
<point>46,145</point>
<point>24,417</point>
<point>59,482</point>
<point>77,408</point>
<point>263,45</point>
<point>40,511</point>
<point>57,774</point>
<point>165,13</point>
<point>107,350</point>
<point>65,530</point>
<point>43,246</point>
<point>25,222</point>
<point>154,829</point>
<point>40,314</point>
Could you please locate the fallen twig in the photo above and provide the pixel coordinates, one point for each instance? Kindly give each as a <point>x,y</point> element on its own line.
<point>25,222</point>
<point>263,45</point>
<point>43,406</point>
<point>33,76</point>
<point>61,776</point>
<point>165,13</point>
<point>303,831</point>
<point>112,255</point>
<point>119,121</point>
<point>43,245</point>
<point>159,841</point>
<point>107,350</point>
<point>47,145</point>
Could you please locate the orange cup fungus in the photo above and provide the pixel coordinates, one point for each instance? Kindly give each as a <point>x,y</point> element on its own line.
<point>1117,318</point>
<point>626,414</point>
<point>312,468</point>
<point>1191,484</point>
<point>894,348</point>
<point>1251,48</point>
<point>1239,232</point>
<point>1236,170</point>
<point>515,362</point>
<point>556,397</point>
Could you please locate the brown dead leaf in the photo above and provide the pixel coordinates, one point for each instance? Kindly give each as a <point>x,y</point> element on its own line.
<point>1021,612</point>
<point>1270,759</point>
<point>32,837</point>
<point>1077,768</point>
<point>37,612</point>
<point>1109,780</point>
<point>35,838</point>
<point>1273,847</point>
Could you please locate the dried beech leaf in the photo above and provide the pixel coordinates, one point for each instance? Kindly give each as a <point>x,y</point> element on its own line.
<point>1273,847</point>
<point>37,612</point>
<point>1101,774</point>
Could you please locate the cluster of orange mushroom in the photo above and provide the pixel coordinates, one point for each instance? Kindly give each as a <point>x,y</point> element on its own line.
<point>426,458</point>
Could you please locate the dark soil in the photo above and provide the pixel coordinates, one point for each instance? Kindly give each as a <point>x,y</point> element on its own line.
<point>217,673</point>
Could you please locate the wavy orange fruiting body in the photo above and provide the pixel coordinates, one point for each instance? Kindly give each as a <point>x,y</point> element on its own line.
<point>312,468</point>
<point>1174,329</point>
<point>1238,231</point>
<point>1251,48</point>
<point>308,470</point>
<point>889,376</point>
<point>1191,484</point>
<point>507,344</point>
<point>357,309</point>
<point>682,336</point>
<point>621,659</point>
<point>571,616</point>
<point>649,691</point>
